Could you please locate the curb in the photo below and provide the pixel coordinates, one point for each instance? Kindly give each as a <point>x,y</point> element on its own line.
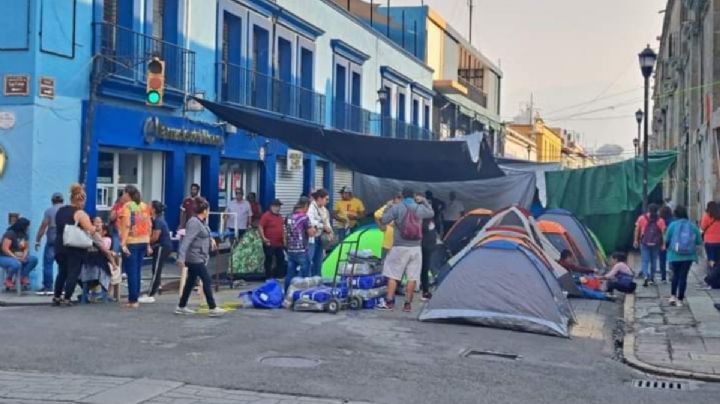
<point>28,304</point>
<point>632,360</point>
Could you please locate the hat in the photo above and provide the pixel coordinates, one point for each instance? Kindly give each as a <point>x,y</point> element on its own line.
<point>276,202</point>
<point>57,196</point>
<point>346,189</point>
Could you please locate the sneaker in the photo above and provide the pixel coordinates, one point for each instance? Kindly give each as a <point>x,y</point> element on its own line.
<point>645,284</point>
<point>146,299</point>
<point>672,301</point>
<point>184,311</point>
<point>664,281</point>
<point>652,282</point>
<point>217,312</point>
<point>25,281</point>
<point>385,305</point>
<point>679,303</point>
<point>407,307</point>
<point>42,292</point>
<point>426,296</point>
<point>9,283</point>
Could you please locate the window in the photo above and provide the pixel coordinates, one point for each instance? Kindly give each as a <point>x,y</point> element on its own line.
<point>232,77</point>
<point>401,107</point>
<point>426,117</point>
<point>116,169</point>
<point>416,112</point>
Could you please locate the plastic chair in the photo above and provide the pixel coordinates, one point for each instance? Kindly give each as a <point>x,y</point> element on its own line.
<point>18,279</point>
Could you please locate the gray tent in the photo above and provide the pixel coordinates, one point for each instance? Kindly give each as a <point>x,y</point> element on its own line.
<point>505,285</point>
<point>590,255</point>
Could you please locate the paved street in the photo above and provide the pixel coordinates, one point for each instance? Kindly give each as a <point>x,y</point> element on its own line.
<point>367,356</point>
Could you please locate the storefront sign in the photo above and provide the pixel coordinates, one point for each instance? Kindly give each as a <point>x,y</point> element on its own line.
<point>3,161</point>
<point>7,120</point>
<point>153,130</point>
<point>47,87</point>
<point>17,85</point>
<point>294,160</point>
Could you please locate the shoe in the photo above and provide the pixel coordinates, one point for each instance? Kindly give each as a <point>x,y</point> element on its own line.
<point>217,312</point>
<point>679,303</point>
<point>426,296</point>
<point>387,306</point>
<point>407,307</point>
<point>25,282</point>
<point>9,283</point>
<point>645,284</point>
<point>672,301</point>
<point>56,301</point>
<point>652,282</point>
<point>66,303</point>
<point>184,311</point>
<point>664,281</point>
<point>42,292</point>
<point>146,299</point>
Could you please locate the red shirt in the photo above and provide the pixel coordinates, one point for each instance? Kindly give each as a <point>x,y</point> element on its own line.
<point>272,227</point>
<point>711,229</point>
<point>256,211</point>
<point>642,223</point>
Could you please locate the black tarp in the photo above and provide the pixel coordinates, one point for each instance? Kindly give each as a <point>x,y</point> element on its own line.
<point>402,159</point>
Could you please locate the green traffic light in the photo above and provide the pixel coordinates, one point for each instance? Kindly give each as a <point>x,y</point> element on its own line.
<point>153,97</point>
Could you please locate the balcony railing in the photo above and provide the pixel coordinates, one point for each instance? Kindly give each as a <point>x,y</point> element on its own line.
<point>125,54</point>
<point>391,127</point>
<point>246,87</point>
<point>474,93</point>
<point>353,118</point>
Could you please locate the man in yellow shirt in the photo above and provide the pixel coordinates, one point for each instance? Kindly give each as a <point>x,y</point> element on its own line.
<point>387,230</point>
<point>347,212</point>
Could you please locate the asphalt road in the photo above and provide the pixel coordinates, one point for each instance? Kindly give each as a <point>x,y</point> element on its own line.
<point>369,356</point>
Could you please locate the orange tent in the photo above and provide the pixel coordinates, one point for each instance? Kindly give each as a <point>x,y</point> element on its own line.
<point>561,239</point>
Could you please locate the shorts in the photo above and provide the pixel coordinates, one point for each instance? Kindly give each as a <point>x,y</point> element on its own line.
<point>403,260</point>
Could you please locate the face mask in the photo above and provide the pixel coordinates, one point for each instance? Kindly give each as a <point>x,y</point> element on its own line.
<point>275,210</point>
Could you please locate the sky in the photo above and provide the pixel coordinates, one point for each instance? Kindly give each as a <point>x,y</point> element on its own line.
<point>565,53</point>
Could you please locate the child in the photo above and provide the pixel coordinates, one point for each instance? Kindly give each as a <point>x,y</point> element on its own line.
<point>297,234</point>
<point>100,266</point>
<point>620,276</point>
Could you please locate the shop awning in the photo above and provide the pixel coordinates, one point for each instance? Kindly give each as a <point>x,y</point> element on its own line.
<point>401,159</point>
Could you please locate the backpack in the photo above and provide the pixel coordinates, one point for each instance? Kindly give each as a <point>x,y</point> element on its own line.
<point>652,235</point>
<point>412,225</point>
<point>683,239</point>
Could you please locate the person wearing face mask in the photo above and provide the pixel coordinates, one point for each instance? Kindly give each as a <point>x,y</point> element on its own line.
<point>271,229</point>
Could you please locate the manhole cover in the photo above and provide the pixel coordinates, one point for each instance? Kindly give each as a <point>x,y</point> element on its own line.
<point>474,353</point>
<point>660,385</point>
<point>289,362</point>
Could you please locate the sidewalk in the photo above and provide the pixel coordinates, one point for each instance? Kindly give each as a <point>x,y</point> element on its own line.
<point>675,341</point>
<point>30,388</point>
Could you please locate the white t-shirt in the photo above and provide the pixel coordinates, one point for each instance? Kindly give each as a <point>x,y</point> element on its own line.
<point>242,211</point>
<point>454,210</point>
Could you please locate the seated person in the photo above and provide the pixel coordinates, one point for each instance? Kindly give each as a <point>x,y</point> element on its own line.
<point>100,264</point>
<point>567,261</point>
<point>15,254</point>
<point>582,276</point>
<point>620,276</point>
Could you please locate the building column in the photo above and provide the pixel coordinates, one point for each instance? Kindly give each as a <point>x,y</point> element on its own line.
<point>209,180</point>
<point>309,169</point>
<point>174,186</point>
<point>268,173</point>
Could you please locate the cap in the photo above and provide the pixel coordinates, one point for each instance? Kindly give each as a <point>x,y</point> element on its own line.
<point>276,202</point>
<point>57,196</point>
<point>346,190</point>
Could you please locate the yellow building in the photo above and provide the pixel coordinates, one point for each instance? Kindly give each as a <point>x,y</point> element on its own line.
<point>549,142</point>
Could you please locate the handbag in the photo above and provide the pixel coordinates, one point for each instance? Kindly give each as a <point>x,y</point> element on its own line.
<point>74,236</point>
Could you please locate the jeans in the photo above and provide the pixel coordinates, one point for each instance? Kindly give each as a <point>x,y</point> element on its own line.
<point>115,235</point>
<point>588,293</point>
<point>13,266</point>
<point>681,269</point>
<point>298,265</point>
<point>316,253</point>
<point>48,263</point>
<point>198,271</point>
<point>132,265</point>
<point>277,271</point>
<point>649,258</point>
<point>160,255</point>
<point>712,251</point>
<point>425,272</point>
<point>69,266</point>
<point>663,264</point>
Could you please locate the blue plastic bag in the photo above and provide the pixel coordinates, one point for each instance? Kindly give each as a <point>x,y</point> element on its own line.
<point>268,296</point>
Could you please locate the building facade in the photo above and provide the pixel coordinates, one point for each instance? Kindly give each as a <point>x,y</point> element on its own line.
<point>548,140</point>
<point>519,144</point>
<point>74,101</point>
<point>686,117</point>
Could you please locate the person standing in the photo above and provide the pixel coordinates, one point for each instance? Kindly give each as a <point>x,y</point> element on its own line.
<point>405,257</point>
<point>319,219</point>
<point>47,230</point>
<point>348,210</point>
<point>188,206</point>
<point>160,249</point>
<point>388,230</point>
<point>683,239</point>
<point>238,215</point>
<point>114,225</point>
<point>256,209</point>
<point>438,207</point>
<point>649,231</point>
<point>70,259</point>
<point>15,253</point>
<point>194,253</point>
<point>271,231</point>
<point>667,215</point>
<point>135,229</point>
<point>455,210</point>
<point>429,241</point>
<point>710,227</point>
<point>297,234</point>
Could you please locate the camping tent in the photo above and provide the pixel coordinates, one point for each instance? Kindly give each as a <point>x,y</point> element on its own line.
<point>606,198</point>
<point>581,235</point>
<point>465,229</point>
<point>505,285</point>
<point>370,238</point>
<point>562,240</point>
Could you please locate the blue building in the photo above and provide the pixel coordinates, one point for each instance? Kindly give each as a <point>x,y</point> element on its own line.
<point>73,106</point>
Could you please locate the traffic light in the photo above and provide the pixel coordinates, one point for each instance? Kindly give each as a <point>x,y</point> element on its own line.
<point>155,82</point>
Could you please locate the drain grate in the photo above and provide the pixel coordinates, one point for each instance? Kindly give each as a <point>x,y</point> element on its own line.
<point>660,385</point>
<point>474,353</point>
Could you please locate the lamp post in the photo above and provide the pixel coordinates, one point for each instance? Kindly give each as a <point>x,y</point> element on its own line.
<point>529,149</point>
<point>639,118</point>
<point>382,99</point>
<point>647,62</point>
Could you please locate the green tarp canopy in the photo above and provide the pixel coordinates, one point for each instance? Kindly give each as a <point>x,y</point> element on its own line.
<point>606,198</point>
<point>370,237</point>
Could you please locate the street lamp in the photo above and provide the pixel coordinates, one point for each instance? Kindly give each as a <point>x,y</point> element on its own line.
<point>529,149</point>
<point>639,118</point>
<point>647,60</point>
<point>383,95</point>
